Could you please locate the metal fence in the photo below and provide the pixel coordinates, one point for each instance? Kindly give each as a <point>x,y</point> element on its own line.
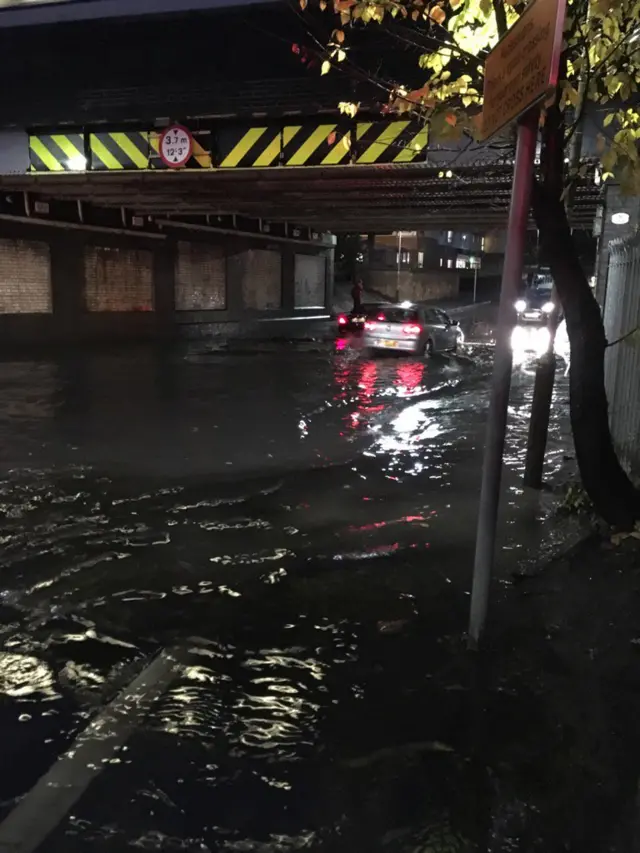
<point>622,364</point>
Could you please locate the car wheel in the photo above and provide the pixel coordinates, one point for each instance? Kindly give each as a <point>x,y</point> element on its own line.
<point>428,348</point>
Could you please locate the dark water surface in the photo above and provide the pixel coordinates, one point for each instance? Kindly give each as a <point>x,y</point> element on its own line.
<point>301,523</point>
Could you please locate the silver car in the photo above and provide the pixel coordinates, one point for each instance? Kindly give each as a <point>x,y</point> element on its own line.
<point>412,329</point>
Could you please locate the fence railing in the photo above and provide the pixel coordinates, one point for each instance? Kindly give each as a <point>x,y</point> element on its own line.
<point>622,362</point>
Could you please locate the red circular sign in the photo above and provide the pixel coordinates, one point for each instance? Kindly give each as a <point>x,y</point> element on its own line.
<point>176,146</point>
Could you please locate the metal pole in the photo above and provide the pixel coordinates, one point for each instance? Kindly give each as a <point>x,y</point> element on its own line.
<point>399,262</point>
<point>475,284</point>
<point>502,365</point>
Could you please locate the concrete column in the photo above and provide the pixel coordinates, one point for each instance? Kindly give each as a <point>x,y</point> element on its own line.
<point>330,262</point>
<point>234,249</point>
<point>67,284</point>
<point>371,243</point>
<point>164,282</point>
<point>288,278</point>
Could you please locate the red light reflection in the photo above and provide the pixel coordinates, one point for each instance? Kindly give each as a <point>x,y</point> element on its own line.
<point>409,376</point>
<point>368,376</point>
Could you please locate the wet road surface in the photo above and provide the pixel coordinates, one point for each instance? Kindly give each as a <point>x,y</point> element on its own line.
<point>291,518</point>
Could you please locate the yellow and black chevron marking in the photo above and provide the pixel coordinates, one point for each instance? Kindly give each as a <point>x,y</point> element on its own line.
<point>113,151</point>
<point>390,142</point>
<point>257,146</point>
<point>57,152</point>
<point>200,159</point>
<point>325,144</point>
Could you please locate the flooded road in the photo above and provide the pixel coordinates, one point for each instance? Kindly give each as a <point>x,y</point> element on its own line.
<point>292,519</point>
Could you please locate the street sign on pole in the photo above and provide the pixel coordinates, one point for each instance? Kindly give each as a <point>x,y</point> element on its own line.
<point>176,146</point>
<point>522,68</point>
<point>520,71</point>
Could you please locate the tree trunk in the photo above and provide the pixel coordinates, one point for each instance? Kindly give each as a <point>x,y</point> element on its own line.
<point>610,490</point>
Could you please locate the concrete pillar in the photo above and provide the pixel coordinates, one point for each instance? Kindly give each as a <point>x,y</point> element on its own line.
<point>330,256</point>
<point>67,284</point>
<point>288,278</point>
<point>234,248</point>
<point>371,244</point>
<point>164,282</point>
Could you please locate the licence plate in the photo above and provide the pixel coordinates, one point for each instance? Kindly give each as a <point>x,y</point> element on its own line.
<point>389,343</point>
<point>532,315</point>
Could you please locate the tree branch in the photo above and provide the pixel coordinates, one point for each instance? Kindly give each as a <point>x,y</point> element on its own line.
<point>501,17</point>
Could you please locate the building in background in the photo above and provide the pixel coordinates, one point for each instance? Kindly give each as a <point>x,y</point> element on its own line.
<point>421,265</point>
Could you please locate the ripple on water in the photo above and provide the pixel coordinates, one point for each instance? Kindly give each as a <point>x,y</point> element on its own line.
<point>23,677</point>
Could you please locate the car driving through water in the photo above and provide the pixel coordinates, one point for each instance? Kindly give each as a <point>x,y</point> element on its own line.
<point>414,329</point>
<point>535,306</point>
<point>354,321</point>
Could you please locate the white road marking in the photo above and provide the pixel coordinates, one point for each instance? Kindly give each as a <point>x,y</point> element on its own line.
<point>54,794</point>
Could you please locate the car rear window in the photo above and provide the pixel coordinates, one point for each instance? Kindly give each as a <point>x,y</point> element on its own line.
<point>400,315</point>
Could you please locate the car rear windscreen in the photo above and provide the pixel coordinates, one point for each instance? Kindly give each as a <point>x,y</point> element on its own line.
<point>400,315</point>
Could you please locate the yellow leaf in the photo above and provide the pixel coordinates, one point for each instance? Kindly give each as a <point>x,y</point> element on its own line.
<point>326,67</point>
<point>341,55</point>
<point>346,141</point>
<point>323,5</point>
<point>438,15</point>
<point>348,108</point>
<point>608,119</point>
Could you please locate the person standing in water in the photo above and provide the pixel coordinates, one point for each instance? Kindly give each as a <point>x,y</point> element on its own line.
<point>356,295</point>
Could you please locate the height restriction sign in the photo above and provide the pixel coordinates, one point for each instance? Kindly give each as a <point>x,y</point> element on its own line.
<point>176,146</point>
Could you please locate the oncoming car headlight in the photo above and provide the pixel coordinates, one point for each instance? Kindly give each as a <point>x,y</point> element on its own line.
<point>521,306</point>
<point>548,308</point>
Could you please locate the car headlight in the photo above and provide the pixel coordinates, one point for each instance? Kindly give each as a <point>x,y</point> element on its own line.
<point>521,306</point>
<point>548,307</point>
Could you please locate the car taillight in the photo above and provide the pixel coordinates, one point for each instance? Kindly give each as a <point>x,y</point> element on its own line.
<point>370,326</point>
<point>411,329</point>
<point>342,320</point>
<point>381,317</point>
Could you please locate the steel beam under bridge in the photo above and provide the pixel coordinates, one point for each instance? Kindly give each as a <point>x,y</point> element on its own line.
<point>225,145</point>
<point>19,13</point>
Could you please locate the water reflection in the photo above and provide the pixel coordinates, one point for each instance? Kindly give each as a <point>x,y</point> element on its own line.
<point>301,591</point>
<point>22,676</point>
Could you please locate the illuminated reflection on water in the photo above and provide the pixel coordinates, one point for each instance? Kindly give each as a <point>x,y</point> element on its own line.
<point>285,584</point>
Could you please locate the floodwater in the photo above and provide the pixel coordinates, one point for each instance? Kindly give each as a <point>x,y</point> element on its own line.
<point>299,522</point>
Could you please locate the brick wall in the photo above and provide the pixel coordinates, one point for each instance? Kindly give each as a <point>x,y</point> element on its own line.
<point>201,277</point>
<point>119,279</point>
<point>415,286</point>
<point>261,279</point>
<point>77,284</point>
<point>25,277</point>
